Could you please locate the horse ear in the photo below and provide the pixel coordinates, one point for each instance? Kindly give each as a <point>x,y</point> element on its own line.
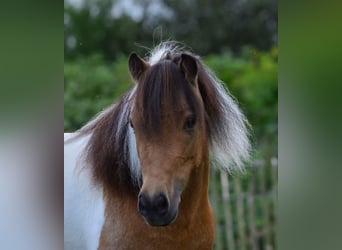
<point>188,66</point>
<point>137,66</point>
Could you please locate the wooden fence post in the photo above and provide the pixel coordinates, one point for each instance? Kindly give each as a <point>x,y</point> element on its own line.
<point>251,210</point>
<point>227,211</point>
<point>240,214</point>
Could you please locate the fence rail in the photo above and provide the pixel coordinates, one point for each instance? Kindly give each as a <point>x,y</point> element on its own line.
<point>245,207</point>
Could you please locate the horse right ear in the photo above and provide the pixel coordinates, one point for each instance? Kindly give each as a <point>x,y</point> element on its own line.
<point>189,67</point>
<point>137,66</point>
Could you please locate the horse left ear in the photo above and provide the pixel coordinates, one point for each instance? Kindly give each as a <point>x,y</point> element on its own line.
<point>188,66</point>
<point>137,66</point>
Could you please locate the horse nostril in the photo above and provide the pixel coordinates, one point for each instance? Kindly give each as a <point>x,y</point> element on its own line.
<point>161,204</point>
<point>143,204</point>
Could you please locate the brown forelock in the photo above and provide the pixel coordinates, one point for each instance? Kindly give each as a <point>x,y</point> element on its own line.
<point>160,93</point>
<point>108,148</point>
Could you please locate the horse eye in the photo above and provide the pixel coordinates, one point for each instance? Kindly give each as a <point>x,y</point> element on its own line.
<point>190,122</point>
<point>131,123</point>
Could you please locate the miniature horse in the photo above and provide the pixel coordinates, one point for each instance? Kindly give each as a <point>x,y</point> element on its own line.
<point>136,177</point>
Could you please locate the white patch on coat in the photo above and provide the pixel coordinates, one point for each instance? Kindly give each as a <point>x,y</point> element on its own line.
<point>83,202</point>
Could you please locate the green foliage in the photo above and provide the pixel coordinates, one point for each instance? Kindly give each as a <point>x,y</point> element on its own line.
<point>206,26</point>
<point>235,23</point>
<point>90,85</point>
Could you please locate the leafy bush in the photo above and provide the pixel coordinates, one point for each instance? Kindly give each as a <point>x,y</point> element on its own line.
<point>90,85</point>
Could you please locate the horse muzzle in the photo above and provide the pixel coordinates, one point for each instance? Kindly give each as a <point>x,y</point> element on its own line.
<point>157,210</point>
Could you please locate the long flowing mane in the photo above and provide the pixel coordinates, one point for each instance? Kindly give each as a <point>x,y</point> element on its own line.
<point>111,149</point>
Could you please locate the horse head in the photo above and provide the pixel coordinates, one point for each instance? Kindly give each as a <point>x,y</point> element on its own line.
<point>168,120</point>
